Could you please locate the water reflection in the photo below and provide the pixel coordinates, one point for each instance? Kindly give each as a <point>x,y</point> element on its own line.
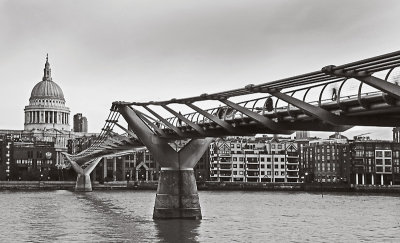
<point>178,230</point>
<point>126,216</point>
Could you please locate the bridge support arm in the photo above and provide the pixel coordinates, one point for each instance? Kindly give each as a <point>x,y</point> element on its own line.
<point>177,195</point>
<point>311,110</point>
<point>83,182</point>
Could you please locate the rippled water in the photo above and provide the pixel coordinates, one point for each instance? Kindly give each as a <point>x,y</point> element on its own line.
<point>119,216</point>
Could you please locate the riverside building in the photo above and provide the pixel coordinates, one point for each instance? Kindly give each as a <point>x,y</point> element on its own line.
<point>361,161</point>
<point>250,159</point>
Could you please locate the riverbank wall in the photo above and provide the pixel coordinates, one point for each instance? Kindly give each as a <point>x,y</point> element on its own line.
<point>205,186</point>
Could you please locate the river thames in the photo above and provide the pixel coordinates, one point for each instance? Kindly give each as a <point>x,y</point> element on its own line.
<point>126,216</point>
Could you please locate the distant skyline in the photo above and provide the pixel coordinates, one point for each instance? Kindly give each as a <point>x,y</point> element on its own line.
<point>103,51</point>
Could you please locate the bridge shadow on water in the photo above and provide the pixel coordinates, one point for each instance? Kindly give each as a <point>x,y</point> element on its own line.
<point>122,220</point>
<point>177,230</point>
<point>118,222</point>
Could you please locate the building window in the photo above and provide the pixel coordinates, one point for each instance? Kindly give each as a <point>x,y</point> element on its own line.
<point>234,165</point>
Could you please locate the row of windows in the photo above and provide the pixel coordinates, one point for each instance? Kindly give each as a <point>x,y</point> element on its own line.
<point>39,154</point>
<point>380,153</point>
<point>30,162</point>
<point>252,159</point>
<point>277,173</point>
<point>253,146</point>
<point>380,161</point>
<point>46,102</point>
<point>242,167</point>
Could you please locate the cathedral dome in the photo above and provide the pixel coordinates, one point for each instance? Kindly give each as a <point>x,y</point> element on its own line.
<point>46,107</point>
<point>47,89</point>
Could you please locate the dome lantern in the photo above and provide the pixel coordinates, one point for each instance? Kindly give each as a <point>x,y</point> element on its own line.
<point>47,70</point>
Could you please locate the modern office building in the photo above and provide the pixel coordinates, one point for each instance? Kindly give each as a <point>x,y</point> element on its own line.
<point>80,123</point>
<point>375,162</point>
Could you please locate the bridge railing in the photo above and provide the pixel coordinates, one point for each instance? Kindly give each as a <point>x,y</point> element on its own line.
<point>316,100</point>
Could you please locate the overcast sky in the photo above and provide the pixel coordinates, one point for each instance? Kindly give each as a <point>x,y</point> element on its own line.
<point>105,51</point>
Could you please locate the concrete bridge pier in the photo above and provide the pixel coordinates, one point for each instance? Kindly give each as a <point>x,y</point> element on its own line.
<point>83,182</point>
<point>177,196</point>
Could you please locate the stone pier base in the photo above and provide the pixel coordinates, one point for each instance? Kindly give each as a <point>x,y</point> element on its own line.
<point>177,196</point>
<point>83,183</point>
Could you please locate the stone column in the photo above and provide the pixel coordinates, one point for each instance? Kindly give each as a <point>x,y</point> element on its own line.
<point>123,169</point>
<point>372,179</point>
<point>114,169</point>
<point>356,178</point>
<point>104,168</point>
<point>94,175</point>
<point>363,179</point>
<point>137,175</point>
<point>382,182</point>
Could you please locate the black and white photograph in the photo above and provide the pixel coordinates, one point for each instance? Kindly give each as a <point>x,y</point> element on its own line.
<point>200,121</point>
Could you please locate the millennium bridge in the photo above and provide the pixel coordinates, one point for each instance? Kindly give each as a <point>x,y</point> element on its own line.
<point>335,98</point>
